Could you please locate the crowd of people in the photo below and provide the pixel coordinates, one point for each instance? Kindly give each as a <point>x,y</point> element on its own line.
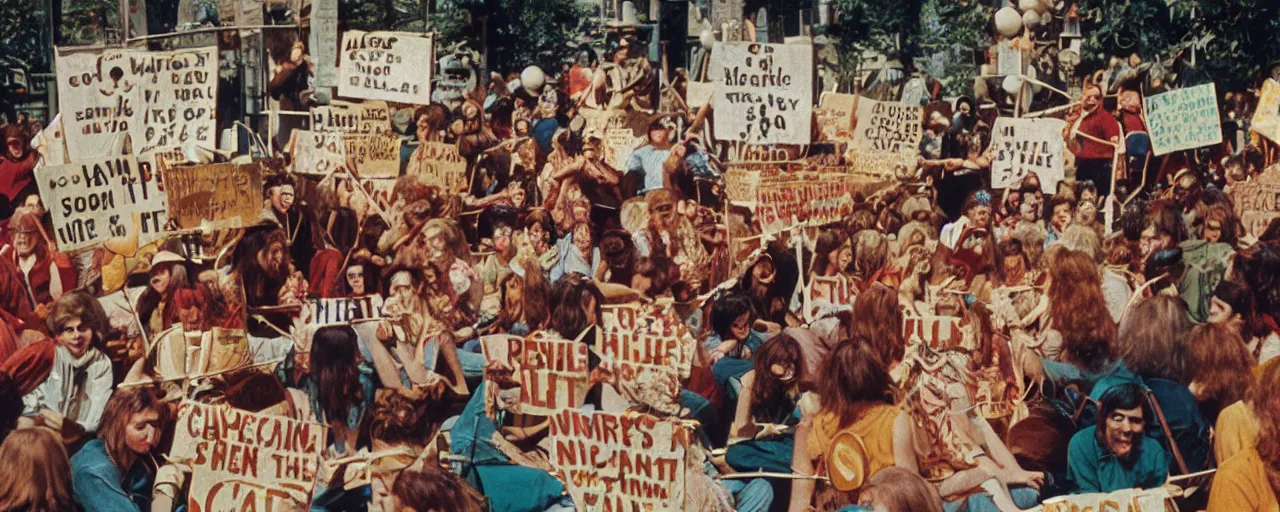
<point>1000,347</point>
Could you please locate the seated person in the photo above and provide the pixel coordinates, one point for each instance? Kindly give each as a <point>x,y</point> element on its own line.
<point>1115,454</point>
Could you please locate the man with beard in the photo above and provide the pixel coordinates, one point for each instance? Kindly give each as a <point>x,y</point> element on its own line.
<point>262,269</point>
<point>1114,454</point>
<point>284,211</point>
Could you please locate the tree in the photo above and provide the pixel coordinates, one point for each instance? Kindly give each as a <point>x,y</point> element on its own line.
<point>951,32</point>
<point>522,32</point>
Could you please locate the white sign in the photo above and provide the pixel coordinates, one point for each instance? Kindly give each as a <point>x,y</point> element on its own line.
<point>764,93</point>
<point>159,99</point>
<point>1008,59</point>
<point>1184,119</point>
<point>345,310</point>
<point>1266,117</point>
<point>96,200</point>
<point>345,117</point>
<point>1027,145</point>
<point>389,66</point>
<point>374,155</point>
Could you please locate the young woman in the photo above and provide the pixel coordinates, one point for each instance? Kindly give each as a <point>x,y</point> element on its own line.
<point>764,427</point>
<point>523,300</point>
<point>898,490</point>
<point>832,254</point>
<point>578,253</point>
<point>341,389</point>
<point>1221,367</point>
<point>856,398</point>
<point>39,471</point>
<point>575,307</point>
<point>115,472</point>
<point>733,341</point>
<point>155,305</point>
<point>1077,308</point>
<point>878,319</point>
<point>432,489</point>
<point>77,389</point>
<point>1249,481</point>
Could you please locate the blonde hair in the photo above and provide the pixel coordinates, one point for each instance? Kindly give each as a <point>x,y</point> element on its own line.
<point>45,483</point>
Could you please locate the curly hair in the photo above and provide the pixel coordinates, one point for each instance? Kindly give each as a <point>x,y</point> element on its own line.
<point>79,304</point>
<point>1079,310</point>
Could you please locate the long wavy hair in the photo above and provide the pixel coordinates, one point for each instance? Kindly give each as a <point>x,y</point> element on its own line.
<point>1265,403</point>
<point>769,393</point>
<point>851,376</point>
<point>333,368</point>
<point>39,473</point>
<point>1079,311</point>
<point>877,318</point>
<point>1153,338</point>
<point>568,318</point>
<point>1220,365</point>
<point>828,241</point>
<point>115,423</point>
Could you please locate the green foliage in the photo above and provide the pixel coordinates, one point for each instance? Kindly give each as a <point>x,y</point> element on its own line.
<point>1122,27</point>
<point>951,32</point>
<point>1247,41</point>
<point>523,32</point>
<point>884,27</point>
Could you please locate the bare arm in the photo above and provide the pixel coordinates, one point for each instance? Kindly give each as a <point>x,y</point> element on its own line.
<point>904,446</point>
<point>741,427</point>
<point>384,365</point>
<point>801,464</point>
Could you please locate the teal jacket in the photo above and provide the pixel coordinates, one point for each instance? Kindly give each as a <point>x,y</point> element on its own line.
<point>97,484</point>
<point>1091,468</point>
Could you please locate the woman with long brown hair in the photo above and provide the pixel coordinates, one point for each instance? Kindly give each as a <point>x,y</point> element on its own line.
<point>832,254</point>
<point>36,464</point>
<point>1250,480</point>
<point>1220,366</point>
<point>856,399</point>
<point>763,431</point>
<point>877,318</point>
<point>115,473</point>
<point>1077,309</point>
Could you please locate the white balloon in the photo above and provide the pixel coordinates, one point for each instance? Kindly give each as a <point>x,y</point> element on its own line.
<point>533,78</point>
<point>707,38</point>
<point>1031,19</point>
<point>1029,5</point>
<point>1008,22</point>
<point>1011,84</point>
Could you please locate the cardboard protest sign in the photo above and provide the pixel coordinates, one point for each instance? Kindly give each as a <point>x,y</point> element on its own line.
<point>389,66</point>
<point>439,164</point>
<point>552,371</point>
<point>620,462</point>
<point>835,117</point>
<point>1266,117</point>
<point>888,126</point>
<point>651,352</point>
<point>157,98</point>
<point>324,41</point>
<point>936,332</point>
<point>1027,145</point>
<point>1184,119</point>
<point>374,155</point>
<point>246,461</point>
<point>223,349</point>
<point>345,310</point>
<point>812,201</point>
<point>764,92</point>
<point>346,117</point>
<point>222,195</point>
<point>824,294</point>
<point>1257,201</point>
<point>1123,500</point>
<point>619,142</point>
<point>95,200</point>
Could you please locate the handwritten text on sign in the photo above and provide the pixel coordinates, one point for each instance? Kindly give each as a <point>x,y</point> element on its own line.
<point>813,201</point>
<point>246,461</point>
<point>89,201</point>
<point>1024,146</point>
<point>157,98</point>
<point>888,126</point>
<point>374,155</point>
<point>1184,119</point>
<point>828,293</point>
<point>620,462</point>
<point>1257,202</point>
<point>224,195</point>
<point>343,117</point>
<point>552,372</point>
<point>389,66</point>
<point>344,310</point>
<point>835,117</point>
<point>439,164</point>
<point>651,351</point>
<point>1266,117</point>
<point>765,93</point>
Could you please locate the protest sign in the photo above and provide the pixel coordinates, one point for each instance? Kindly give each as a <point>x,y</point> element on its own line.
<point>1008,59</point>
<point>764,92</point>
<point>246,461</point>
<point>825,294</point>
<point>345,310</point>
<point>223,349</point>
<point>1266,117</point>
<point>1184,119</point>
<point>324,41</point>
<point>620,462</point>
<point>95,200</point>
<point>346,117</point>
<point>619,142</point>
<point>698,94</point>
<point>835,117</point>
<point>1027,145</point>
<point>936,332</point>
<point>157,98</point>
<point>877,165</point>
<point>1123,500</point>
<point>439,164</point>
<point>888,126</point>
<point>552,371</point>
<point>374,155</point>
<point>222,195</point>
<point>812,201</point>
<point>389,66</point>
<point>1257,202</point>
<point>651,352</point>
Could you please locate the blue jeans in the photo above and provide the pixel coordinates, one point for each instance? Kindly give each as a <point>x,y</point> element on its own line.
<point>751,495</point>
<point>1024,497</point>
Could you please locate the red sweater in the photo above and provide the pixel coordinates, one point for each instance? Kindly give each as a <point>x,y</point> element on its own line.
<point>1102,125</point>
